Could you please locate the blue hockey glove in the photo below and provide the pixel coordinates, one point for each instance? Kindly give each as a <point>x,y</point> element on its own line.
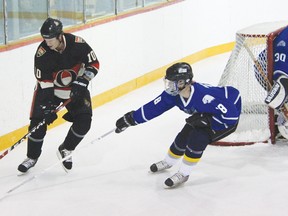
<point>124,122</point>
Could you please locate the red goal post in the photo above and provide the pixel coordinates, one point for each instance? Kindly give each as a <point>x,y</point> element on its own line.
<point>250,70</point>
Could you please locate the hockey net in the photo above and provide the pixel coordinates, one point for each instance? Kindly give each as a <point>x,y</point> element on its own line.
<point>250,69</point>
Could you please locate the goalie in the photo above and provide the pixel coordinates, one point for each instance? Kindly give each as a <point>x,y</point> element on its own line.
<point>278,95</point>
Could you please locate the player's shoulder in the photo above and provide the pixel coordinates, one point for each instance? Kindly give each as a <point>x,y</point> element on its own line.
<point>282,38</point>
<point>163,95</point>
<point>284,31</point>
<point>167,97</point>
<point>202,86</point>
<point>42,50</point>
<point>71,38</point>
<point>232,91</point>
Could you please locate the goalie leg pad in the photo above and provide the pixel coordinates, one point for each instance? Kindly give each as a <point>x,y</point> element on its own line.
<point>278,94</point>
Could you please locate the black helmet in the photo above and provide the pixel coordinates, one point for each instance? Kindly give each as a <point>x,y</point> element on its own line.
<point>51,28</point>
<point>177,77</point>
<point>179,71</point>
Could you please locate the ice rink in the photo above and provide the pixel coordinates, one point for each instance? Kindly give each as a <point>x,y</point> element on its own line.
<point>110,176</point>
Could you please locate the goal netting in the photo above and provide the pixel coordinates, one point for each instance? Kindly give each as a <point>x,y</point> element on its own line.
<point>250,69</point>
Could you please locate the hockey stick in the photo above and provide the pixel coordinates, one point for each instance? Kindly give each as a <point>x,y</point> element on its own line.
<point>32,130</point>
<point>259,67</point>
<point>50,167</point>
<point>284,108</point>
<point>283,111</point>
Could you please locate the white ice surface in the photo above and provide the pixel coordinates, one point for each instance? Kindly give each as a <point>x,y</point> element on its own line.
<point>111,178</point>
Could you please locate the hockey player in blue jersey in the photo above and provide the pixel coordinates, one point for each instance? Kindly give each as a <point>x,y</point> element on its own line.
<point>214,114</point>
<point>277,96</point>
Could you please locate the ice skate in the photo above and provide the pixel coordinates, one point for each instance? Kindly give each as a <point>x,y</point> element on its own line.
<point>26,165</point>
<point>176,180</point>
<point>63,153</point>
<point>159,166</point>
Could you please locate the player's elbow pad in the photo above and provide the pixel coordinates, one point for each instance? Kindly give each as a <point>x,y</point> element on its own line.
<point>90,72</point>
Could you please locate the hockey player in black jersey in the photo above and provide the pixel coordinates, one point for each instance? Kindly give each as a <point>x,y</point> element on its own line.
<point>64,64</point>
<point>214,114</point>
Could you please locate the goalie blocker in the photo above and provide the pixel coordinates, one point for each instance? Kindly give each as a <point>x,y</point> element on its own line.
<point>278,94</point>
<point>277,99</point>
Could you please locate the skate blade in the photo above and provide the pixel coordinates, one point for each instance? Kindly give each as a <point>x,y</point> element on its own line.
<point>60,158</point>
<point>21,173</point>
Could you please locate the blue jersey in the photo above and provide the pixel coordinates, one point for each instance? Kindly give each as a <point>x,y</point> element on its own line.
<point>280,52</point>
<point>223,103</point>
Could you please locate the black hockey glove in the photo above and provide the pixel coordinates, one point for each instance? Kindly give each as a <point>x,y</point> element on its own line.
<point>78,89</point>
<point>199,120</point>
<point>49,114</point>
<point>124,122</point>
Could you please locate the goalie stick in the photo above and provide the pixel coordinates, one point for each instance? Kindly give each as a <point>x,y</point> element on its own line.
<point>283,111</point>
<point>50,167</point>
<point>32,130</point>
<point>284,108</point>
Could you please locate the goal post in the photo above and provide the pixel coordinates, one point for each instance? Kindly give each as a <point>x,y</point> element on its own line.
<point>250,70</point>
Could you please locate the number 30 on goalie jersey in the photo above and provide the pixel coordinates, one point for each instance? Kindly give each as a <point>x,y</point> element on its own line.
<point>280,52</point>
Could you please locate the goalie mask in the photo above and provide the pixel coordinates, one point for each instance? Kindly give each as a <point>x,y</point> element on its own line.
<point>177,77</point>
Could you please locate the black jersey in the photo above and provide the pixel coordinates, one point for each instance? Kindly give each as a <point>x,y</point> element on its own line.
<point>59,70</point>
